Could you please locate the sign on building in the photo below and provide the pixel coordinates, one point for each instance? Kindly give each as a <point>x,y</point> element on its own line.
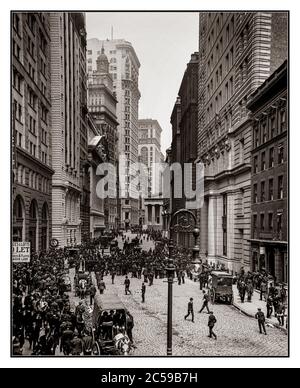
<point>21,252</point>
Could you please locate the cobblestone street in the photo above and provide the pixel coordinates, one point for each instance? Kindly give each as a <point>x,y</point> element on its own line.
<point>238,335</point>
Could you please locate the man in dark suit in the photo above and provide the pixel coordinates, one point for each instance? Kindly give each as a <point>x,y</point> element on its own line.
<point>211,323</point>
<point>260,316</point>
<point>190,310</point>
<point>205,302</point>
<point>143,292</point>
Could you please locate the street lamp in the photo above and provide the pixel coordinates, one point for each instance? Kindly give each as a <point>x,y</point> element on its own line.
<point>170,265</point>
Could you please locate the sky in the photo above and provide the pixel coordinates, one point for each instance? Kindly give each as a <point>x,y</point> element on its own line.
<point>163,42</point>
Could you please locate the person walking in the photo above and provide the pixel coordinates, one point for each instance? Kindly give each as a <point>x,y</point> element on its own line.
<point>211,323</point>
<point>102,286</point>
<point>143,292</point>
<point>190,310</point>
<point>92,291</point>
<point>127,285</point>
<point>249,288</point>
<point>260,316</point>
<point>205,302</point>
<point>113,274</point>
<point>242,290</point>
<point>263,290</point>
<point>281,313</point>
<point>269,307</point>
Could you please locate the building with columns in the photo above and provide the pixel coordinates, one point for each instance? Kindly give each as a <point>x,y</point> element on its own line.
<point>237,53</point>
<point>151,156</point>
<point>31,129</point>
<point>70,188</point>
<point>124,69</point>
<point>102,104</point>
<point>97,153</point>
<point>269,184</point>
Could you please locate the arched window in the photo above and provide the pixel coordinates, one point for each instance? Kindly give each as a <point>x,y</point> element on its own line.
<point>33,210</point>
<point>18,219</point>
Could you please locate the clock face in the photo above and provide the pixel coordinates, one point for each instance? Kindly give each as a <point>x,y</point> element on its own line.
<point>54,242</point>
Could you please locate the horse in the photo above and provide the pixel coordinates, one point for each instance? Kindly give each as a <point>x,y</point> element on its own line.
<point>122,344</point>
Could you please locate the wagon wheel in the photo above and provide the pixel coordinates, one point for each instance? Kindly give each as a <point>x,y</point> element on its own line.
<point>96,349</point>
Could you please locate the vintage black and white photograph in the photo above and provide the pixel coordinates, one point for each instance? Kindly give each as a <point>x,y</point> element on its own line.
<point>149,183</point>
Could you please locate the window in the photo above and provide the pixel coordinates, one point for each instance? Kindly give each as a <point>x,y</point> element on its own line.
<point>270,221</point>
<point>262,192</point>
<point>271,191</point>
<point>264,131</point>
<point>227,34</point>
<point>256,137</point>
<point>254,222</point>
<point>16,50</point>
<point>255,193</point>
<point>262,222</point>
<point>271,157</point>
<point>16,21</point>
<point>272,126</point>
<point>280,187</point>
<point>90,52</point>
<point>280,155</point>
<point>255,164</point>
<point>263,161</point>
<point>282,124</point>
<point>279,223</point>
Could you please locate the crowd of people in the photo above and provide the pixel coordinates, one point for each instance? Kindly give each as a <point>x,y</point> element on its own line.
<point>42,312</point>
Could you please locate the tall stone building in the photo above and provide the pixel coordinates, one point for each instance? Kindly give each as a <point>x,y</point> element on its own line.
<point>102,107</point>
<point>269,228</point>
<point>237,53</point>
<point>151,156</point>
<point>70,185</point>
<point>31,129</point>
<point>184,121</point>
<point>124,68</point>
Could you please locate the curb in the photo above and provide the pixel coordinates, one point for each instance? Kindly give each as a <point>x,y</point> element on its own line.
<point>267,320</point>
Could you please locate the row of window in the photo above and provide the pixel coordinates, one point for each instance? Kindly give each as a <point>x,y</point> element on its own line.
<point>263,190</point>
<point>271,221</point>
<point>35,180</point>
<point>269,128</point>
<point>263,164</point>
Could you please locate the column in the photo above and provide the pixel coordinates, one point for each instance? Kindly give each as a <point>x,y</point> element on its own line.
<point>230,232</point>
<point>212,227</point>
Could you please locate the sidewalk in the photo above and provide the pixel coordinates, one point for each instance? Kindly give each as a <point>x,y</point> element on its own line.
<point>250,308</point>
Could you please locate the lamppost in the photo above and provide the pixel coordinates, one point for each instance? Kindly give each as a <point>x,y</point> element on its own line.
<point>182,216</point>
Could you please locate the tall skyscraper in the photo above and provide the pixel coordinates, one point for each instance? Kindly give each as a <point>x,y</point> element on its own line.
<point>31,152</point>
<point>237,53</point>
<point>70,192</point>
<point>150,156</point>
<point>102,107</point>
<point>124,68</point>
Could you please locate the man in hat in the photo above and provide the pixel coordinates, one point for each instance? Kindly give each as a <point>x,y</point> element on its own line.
<point>190,310</point>
<point>211,323</point>
<point>260,316</point>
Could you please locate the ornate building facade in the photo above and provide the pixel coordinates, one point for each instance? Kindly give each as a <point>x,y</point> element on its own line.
<point>124,68</point>
<point>236,55</point>
<point>31,129</point>
<point>70,185</point>
<point>102,104</point>
<point>269,227</point>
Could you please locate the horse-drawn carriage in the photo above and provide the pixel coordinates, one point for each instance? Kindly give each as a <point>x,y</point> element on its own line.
<point>82,282</point>
<point>220,287</point>
<point>110,321</point>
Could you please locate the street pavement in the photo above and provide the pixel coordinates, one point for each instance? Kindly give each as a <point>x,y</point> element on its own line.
<point>238,334</point>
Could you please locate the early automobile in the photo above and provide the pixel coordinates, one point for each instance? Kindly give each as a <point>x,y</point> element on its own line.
<point>220,287</point>
<point>110,319</point>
